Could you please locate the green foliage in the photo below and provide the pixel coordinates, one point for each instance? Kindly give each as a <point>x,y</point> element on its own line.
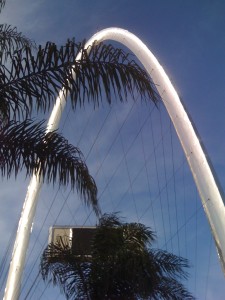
<point>34,79</point>
<point>31,78</point>
<point>11,40</point>
<point>27,145</point>
<point>123,266</point>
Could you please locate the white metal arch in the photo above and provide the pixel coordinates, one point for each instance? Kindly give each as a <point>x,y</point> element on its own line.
<point>210,195</point>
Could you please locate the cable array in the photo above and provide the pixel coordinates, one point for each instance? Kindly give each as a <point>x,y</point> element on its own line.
<point>141,173</point>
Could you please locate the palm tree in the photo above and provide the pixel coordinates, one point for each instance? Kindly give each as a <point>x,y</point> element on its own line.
<point>30,79</point>
<point>123,265</point>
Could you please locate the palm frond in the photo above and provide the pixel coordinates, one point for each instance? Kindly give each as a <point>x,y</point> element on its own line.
<point>116,269</point>
<point>33,80</point>
<point>25,145</point>
<point>138,235</point>
<point>170,289</point>
<point>2,4</point>
<point>109,220</point>
<point>60,267</point>
<point>169,264</point>
<point>11,40</point>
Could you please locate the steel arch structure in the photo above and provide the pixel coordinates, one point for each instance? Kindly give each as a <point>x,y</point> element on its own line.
<point>209,192</point>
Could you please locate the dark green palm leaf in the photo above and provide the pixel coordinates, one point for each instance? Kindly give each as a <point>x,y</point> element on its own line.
<point>122,266</point>
<point>33,80</point>
<point>59,267</point>
<point>170,289</point>
<point>25,145</point>
<point>11,40</point>
<point>169,264</point>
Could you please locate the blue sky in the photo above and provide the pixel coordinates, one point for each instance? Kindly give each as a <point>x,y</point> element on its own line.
<point>187,37</point>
